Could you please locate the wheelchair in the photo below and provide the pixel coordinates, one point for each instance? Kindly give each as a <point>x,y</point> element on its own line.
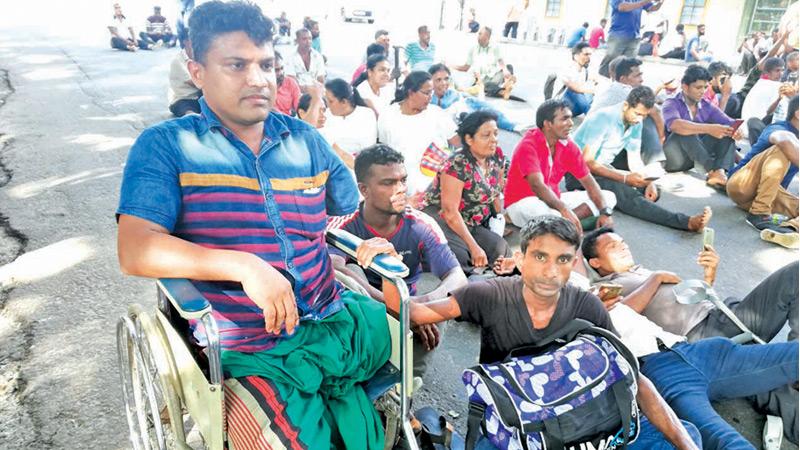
<point>173,388</point>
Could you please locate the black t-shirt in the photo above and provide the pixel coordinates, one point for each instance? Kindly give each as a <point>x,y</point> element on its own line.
<point>498,307</point>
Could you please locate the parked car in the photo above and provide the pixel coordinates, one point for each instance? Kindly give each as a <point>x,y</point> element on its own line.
<point>358,12</point>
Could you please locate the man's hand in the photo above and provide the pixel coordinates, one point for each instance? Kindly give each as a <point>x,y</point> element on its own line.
<point>272,292</point>
<point>570,215</point>
<point>504,265</point>
<point>719,131</point>
<point>738,134</point>
<point>369,249</point>
<point>726,88</point>
<point>636,180</point>
<point>478,256</point>
<point>665,277</point>
<point>604,221</point>
<point>709,260</point>
<point>651,192</point>
<point>428,334</point>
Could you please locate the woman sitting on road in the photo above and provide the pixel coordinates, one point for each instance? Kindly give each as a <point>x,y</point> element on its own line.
<point>374,87</point>
<point>311,109</point>
<point>466,193</point>
<point>420,132</point>
<point>350,126</point>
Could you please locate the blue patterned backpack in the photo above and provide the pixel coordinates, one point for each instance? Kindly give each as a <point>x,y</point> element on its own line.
<point>575,390</point>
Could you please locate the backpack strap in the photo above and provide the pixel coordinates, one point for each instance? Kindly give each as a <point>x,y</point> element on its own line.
<point>624,400</point>
<point>567,333</point>
<point>555,437</point>
<point>474,420</point>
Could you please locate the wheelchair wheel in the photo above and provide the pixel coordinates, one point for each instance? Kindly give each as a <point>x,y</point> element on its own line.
<point>145,392</point>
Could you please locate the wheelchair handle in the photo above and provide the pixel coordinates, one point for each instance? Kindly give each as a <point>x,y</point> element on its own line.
<point>384,265</point>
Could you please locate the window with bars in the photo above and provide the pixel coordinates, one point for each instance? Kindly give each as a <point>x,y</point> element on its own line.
<point>553,8</point>
<point>767,14</point>
<point>692,12</point>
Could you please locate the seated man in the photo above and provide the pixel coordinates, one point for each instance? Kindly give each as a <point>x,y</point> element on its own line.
<point>305,64</point>
<point>578,87</point>
<point>288,94</point>
<point>765,311</point>
<point>157,31</point>
<point>384,219</point>
<point>626,73</point>
<point>492,75</point>
<point>522,310</point>
<point>182,94</point>
<point>763,98</point>
<point>420,54</point>
<point>699,131</point>
<point>759,182</point>
<point>602,137</point>
<point>236,198</point>
<point>454,103</point>
<point>122,35</point>
<point>540,161</point>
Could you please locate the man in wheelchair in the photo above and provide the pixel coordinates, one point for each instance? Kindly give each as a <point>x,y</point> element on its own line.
<point>238,197</point>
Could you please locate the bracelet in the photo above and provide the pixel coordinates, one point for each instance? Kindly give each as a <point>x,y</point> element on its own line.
<point>624,179</point>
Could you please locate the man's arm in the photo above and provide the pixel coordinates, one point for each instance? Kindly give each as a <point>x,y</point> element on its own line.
<point>593,190</point>
<point>640,298</point>
<point>146,249</point>
<point>787,142</point>
<point>133,34</point>
<point>688,128</point>
<point>662,416</point>
<point>774,50</point>
<point>536,182</point>
<point>340,265</point>
<point>627,7</point>
<point>579,86</point>
<point>656,6</point>
<point>452,281</point>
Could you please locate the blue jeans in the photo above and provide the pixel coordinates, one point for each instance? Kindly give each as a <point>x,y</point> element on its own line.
<point>503,122</point>
<point>579,103</point>
<point>691,376</point>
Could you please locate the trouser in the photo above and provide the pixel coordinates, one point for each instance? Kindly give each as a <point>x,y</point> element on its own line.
<point>756,187</point>
<point>494,84</point>
<point>754,128</point>
<point>652,149</point>
<point>184,106</point>
<point>579,103</point>
<point>748,62</point>
<point>494,245</point>
<point>683,152</point>
<point>151,38</point>
<point>675,53</point>
<point>523,211</point>
<point>511,28</point>
<point>122,44</point>
<point>691,376</point>
<point>476,104</point>
<point>631,201</point>
<point>618,46</point>
<point>308,388</point>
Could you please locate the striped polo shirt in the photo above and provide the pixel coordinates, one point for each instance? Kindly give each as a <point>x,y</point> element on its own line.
<point>420,58</point>
<point>198,180</point>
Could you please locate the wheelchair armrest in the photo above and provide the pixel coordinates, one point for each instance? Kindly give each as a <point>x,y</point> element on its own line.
<point>384,265</point>
<point>185,298</point>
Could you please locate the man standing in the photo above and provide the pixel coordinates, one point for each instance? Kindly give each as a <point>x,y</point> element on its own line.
<point>237,197</point>
<point>512,20</point>
<point>578,86</point>
<point>488,67</point>
<point>623,36</point>
<point>697,47</point>
<point>603,136</point>
<point>699,131</point>
<point>384,219</point>
<point>759,183</point>
<point>305,64</point>
<point>421,55</point>
<point>540,161</point>
<point>597,37</point>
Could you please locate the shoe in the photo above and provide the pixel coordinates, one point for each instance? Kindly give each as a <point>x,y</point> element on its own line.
<point>773,433</point>
<point>785,237</point>
<point>764,222</point>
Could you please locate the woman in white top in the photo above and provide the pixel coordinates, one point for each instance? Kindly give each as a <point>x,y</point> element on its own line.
<point>350,127</point>
<point>412,125</point>
<point>374,86</point>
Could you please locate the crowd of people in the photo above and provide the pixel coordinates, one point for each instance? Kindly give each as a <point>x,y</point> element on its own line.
<point>269,151</point>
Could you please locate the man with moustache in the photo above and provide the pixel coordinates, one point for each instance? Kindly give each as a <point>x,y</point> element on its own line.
<point>238,197</point>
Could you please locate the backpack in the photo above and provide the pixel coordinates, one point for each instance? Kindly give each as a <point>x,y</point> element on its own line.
<point>575,390</point>
<point>550,84</point>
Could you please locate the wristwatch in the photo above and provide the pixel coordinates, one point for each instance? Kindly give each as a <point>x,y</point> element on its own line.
<point>605,211</point>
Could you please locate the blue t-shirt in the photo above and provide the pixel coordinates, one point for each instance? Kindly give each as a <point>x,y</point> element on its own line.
<point>576,37</point>
<point>763,144</point>
<point>196,179</point>
<point>606,135</point>
<point>693,42</point>
<point>626,24</point>
<point>418,238</point>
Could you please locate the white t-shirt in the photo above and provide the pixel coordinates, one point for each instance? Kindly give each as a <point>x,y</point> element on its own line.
<point>758,101</point>
<point>296,68</point>
<point>122,26</point>
<point>381,100</point>
<point>572,73</point>
<point>412,135</point>
<point>354,132</point>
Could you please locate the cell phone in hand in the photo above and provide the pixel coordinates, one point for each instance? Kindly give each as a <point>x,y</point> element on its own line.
<point>736,124</point>
<point>708,238</point>
<point>610,290</point>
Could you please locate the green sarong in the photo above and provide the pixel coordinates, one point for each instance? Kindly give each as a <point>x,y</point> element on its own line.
<point>317,372</point>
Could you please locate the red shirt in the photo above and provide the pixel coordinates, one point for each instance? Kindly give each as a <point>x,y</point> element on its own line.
<point>287,96</point>
<point>533,156</point>
<point>595,36</point>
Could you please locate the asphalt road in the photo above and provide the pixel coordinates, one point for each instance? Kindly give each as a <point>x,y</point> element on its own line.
<point>69,111</point>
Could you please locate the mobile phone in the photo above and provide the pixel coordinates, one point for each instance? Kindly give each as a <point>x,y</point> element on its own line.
<point>708,238</point>
<point>611,290</point>
<point>736,124</point>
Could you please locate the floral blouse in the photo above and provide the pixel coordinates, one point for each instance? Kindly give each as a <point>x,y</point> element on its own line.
<point>479,191</point>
